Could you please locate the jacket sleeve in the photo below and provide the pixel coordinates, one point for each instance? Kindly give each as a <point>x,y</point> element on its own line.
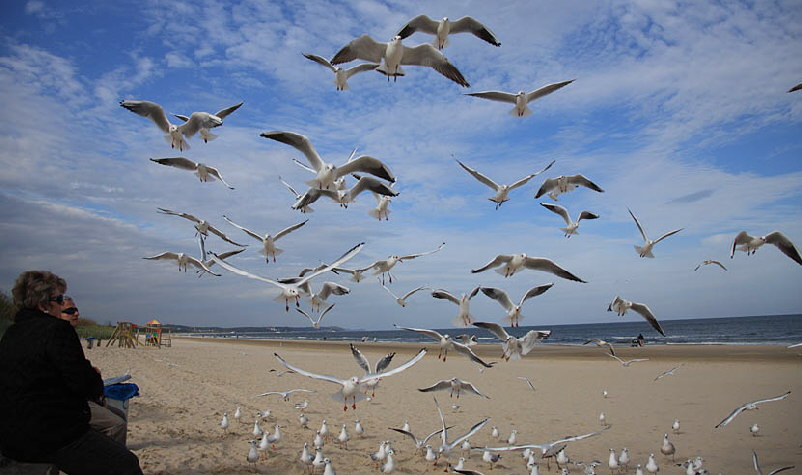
<point>68,357</point>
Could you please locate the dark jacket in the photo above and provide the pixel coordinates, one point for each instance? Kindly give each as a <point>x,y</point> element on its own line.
<point>45,381</point>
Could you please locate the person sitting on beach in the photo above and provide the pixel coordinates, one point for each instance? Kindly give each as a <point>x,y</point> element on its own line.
<point>105,419</point>
<point>45,382</point>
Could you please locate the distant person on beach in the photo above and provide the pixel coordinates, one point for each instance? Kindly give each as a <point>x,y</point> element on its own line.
<point>639,340</point>
<point>45,382</point>
<point>105,419</point>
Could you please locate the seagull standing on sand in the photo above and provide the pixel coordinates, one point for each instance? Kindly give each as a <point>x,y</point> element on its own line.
<point>514,311</point>
<point>513,347</point>
<point>668,449</point>
<point>651,465</point>
<point>754,429</point>
<point>571,226</point>
<point>522,98</point>
<point>350,387</point>
<point>442,28</point>
<point>455,385</point>
<point>646,249</point>
<point>268,241</point>
<point>750,244</point>
<point>512,263</point>
<point>748,407</point>
<point>291,291</point>
<point>502,191</point>
<point>328,173</point>
<point>446,344</point>
<point>205,119</point>
<point>204,172</point>
<point>393,54</point>
<point>563,184</point>
<point>363,363</point>
<point>463,317</point>
<point>224,422</point>
<point>253,454</point>
<point>341,76</point>
<point>620,306</point>
<point>675,426</point>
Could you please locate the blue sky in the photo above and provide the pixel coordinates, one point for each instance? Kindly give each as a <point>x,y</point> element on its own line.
<point>678,111</point>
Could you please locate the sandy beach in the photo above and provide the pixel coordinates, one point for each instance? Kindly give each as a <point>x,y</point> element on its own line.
<point>174,425</point>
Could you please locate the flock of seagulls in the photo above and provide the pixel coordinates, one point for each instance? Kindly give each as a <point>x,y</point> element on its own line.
<point>373,175</point>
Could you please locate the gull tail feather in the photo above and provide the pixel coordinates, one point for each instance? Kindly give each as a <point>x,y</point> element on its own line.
<point>526,112</point>
<point>642,254</point>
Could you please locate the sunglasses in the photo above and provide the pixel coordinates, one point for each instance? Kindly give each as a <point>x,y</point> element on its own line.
<point>59,299</point>
<point>70,311</point>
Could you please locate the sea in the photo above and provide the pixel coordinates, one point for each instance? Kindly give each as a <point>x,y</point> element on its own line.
<point>757,330</point>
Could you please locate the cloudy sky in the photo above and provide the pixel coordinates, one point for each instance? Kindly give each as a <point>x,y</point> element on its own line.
<point>678,111</point>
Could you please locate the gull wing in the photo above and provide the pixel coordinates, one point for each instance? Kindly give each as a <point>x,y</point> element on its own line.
<point>360,358</point>
<point>523,181</point>
<point>420,23</point>
<point>586,215</point>
<point>341,260</point>
<point>582,181</point>
<point>668,234</point>
<point>493,328</point>
<point>428,56</point>
<point>547,186</point>
<point>442,294</point>
<point>469,353</point>
<point>289,187</point>
<point>646,313</point>
<point>572,438</point>
<point>557,209</point>
<point>322,377</point>
<point>532,338</point>
<point>476,427</point>
<point>546,265</point>
<point>200,265</point>
<point>387,289</point>
<point>367,164</point>
<point>216,173</point>
<point>467,24</point>
<point>301,311</point>
<point>320,60</point>
<point>324,312</point>
<point>438,386</point>
<point>430,333</point>
<point>223,113</point>
<point>246,230</point>
<point>176,213</point>
<point>301,143</point>
<point>497,96</point>
<point>225,238</point>
<point>497,261</point>
<point>360,68</point>
<point>372,184</point>
<point>397,369</point>
<point>364,48</point>
<point>288,230</point>
<point>408,294</point>
<point>151,110</point>
<point>784,244</point>
<point>383,363</point>
<point>741,238</point>
<point>469,387</point>
<point>197,121</point>
<point>413,256</point>
<point>637,223</point>
<point>499,296</point>
<point>230,268</point>
<point>535,291</point>
<point>483,179</point>
<point>332,288</point>
<point>163,256</point>
<point>528,382</point>
<point>546,90</point>
<point>177,162</point>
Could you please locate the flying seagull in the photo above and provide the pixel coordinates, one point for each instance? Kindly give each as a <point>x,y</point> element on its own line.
<point>670,372</point>
<point>646,249</point>
<point>521,99</point>
<point>463,317</point>
<point>446,447</point>
<point>363,363</point>
<point>384,266</point>
<point>441,29</point>
<point>350,387</point>
<point>514,311</point>
<point>502,191</point>
<point>344,197</point>
<point>707,262</point>
<point>291,291</point>
<point>455,385</point>
<point>757,465</point>
<point>175,133</point>
<point>749,406</point>
<point>628,362</point>
<point>182,259</point>
<point>402,301</point>
<point>750,244</point>
<point>202,227</point>
<point>513,347</point>
<point>563,184</point>
<point>315,322</point>
<point>796,88</point>
<point>393,54</point>
<point>207,118</point>
<point>285,394</point>
<point>328,173</point>
<point>204,172</point>
<point>511,263</point>
<point>620,306</point>
<point>341,76</point>
<point>446,344</point>
<point>302,209</point>
<point>601,343</point>
<point>268,240</point>
<point>571,226</point>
